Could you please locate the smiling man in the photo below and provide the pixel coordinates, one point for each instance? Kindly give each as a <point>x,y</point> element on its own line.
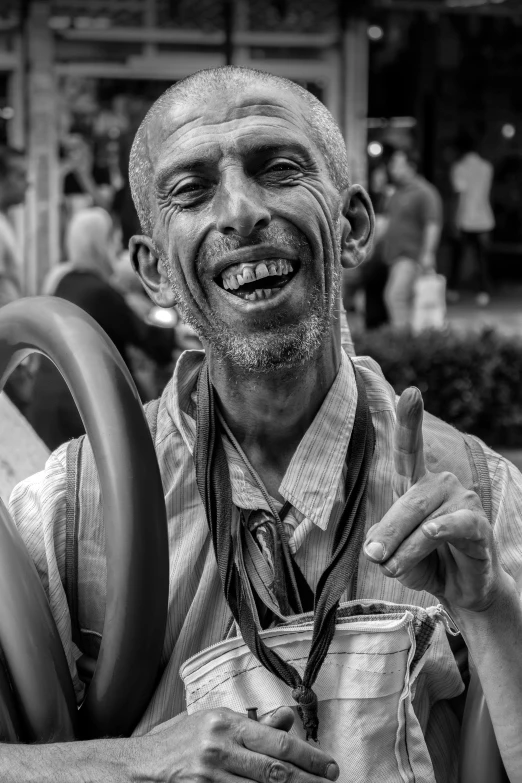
<point>258,278</point>
<point>280,449</point>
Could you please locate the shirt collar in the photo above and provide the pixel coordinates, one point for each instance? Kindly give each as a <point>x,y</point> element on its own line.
<point>312,479</point>
<point>181,395</point>
<point>313,476</point>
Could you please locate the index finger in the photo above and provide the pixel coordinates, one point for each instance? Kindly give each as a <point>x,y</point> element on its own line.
<point>408,445</point>
<point>280,745</point>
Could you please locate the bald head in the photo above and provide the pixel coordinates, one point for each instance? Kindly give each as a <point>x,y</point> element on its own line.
<point>196,88</point>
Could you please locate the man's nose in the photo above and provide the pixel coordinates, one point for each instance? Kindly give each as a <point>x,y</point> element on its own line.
<point>239,206</point>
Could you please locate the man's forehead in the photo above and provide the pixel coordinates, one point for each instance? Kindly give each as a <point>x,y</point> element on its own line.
<point>223,104</point>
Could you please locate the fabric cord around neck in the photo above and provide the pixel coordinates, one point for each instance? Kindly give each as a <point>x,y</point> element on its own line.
<point>213,480</point>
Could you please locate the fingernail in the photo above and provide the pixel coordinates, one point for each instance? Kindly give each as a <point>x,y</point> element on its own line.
<point>410,405</point>
<point>431,528</point>
<point>375,550</point>
<point>332,771</point>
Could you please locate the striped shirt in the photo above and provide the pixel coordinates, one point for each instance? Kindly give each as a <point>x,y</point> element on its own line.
<point>313,484</point>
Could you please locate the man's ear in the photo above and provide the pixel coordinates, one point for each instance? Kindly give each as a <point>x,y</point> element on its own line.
<point>151,271</point>
<point>357,226</point>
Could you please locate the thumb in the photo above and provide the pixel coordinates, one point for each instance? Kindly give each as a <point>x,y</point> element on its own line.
<point>281,718</point>
<point>408,446</point>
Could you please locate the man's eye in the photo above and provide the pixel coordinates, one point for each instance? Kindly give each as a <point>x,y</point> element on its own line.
<point>283,166</point>
<point>188,188</point>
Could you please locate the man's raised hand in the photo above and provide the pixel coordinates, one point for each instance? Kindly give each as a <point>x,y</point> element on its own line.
<point>436,536</point>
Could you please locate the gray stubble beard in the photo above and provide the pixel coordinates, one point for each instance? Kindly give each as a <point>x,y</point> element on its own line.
<point>278,345</point>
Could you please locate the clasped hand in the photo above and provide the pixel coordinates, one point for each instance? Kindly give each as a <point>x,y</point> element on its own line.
<point>222,745</point>
<point>436,536</point>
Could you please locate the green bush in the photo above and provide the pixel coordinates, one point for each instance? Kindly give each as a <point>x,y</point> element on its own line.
<point>473,381</point>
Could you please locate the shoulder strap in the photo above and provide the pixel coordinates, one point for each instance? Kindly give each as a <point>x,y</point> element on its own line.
<point>480,472</point>
<point>73,465</point>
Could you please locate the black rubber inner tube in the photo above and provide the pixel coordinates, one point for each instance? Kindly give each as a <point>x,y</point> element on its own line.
<point>133,507</point>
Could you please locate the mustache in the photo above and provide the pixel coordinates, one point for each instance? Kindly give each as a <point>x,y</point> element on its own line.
<point>283,237</point>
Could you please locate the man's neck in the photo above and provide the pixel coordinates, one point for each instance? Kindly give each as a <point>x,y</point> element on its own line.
<point>269,413</point>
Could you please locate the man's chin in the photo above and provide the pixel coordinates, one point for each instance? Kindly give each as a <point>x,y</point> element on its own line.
<point>276,349</point>
<point>265,348</point>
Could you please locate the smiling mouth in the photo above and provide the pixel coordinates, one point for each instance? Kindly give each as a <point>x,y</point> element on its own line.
<point>259,279</point>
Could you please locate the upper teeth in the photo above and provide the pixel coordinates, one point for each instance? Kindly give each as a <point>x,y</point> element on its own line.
<point>239,274</point>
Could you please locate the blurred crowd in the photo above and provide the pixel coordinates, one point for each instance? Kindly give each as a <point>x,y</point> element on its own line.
<point>402,284</point>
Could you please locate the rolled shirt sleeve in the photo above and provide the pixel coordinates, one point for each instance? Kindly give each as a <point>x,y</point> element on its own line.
<point>38,508</point>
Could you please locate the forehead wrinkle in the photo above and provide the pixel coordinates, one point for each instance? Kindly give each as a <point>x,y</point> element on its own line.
<point>224,102</point>
<point>225,127</point>
<point>188,112</point>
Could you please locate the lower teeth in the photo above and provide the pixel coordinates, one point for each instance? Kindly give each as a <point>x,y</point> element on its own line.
<point>259,293</point>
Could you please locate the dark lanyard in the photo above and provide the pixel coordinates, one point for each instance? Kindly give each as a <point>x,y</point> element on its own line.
<point>213,479</point>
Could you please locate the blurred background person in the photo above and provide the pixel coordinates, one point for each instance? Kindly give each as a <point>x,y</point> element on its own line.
<point>90,177</point>
<point>471,178</point>
<point>374,271</point>
<point>13,186</point>
<point>84,280</point>
<point>411,239</point>
<point>84,184</point>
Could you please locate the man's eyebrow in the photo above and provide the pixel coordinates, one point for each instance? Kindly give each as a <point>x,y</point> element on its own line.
<point>276,148</point>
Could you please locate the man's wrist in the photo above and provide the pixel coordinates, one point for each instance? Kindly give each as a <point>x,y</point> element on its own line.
<point>504,604</point>
<point>69,762</point>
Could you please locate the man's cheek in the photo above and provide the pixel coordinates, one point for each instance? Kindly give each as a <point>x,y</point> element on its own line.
<point>318,205</point>
<point>302,209</point>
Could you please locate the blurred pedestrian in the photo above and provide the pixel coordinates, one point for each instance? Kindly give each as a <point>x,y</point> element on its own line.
<point>412,235</point>
<point>13,186</point>
<point>84,279</point>
<point>471,178</point>
<point>83,183</point>
<point>374,271</point>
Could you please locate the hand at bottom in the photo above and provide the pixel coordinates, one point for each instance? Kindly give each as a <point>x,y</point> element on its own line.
<point>222,745</point>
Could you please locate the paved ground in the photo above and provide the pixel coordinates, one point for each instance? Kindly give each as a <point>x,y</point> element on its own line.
<point>504,312</point>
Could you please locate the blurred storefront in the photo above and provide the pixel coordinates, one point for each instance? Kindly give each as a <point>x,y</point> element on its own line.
<point>91,68</point>
<point>418,69</point>
<point>441,67</point>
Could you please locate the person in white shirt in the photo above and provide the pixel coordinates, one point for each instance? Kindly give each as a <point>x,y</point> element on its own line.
<point>471,178</point>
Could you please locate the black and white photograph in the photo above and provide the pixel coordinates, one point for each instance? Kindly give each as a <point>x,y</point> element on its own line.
<point>260,391</point>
